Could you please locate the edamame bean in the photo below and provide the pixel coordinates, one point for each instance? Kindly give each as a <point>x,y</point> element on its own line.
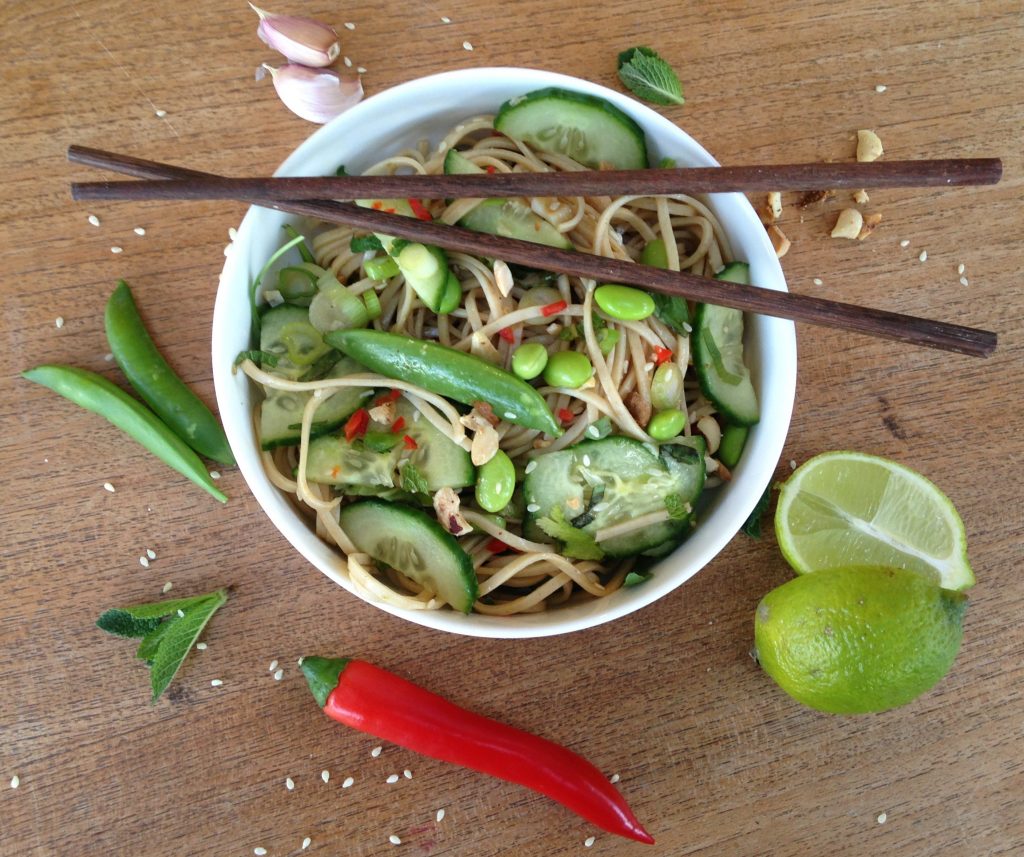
<point>667,386</point>
<point>623,302</point>
<point>529,360</point>
<point>495,482</point>
<point>655,254</point>
<point>568,369</point>
<point>666,424</point>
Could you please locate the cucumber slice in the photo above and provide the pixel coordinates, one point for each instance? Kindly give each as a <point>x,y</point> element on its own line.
<point>425,268</point>
<point>586,128</point>
<point>602,483</point>
<point>332,460</point>
<point>442,463</point>
<point>286,332</point>
<point>457,164</point>
<point>281,412</point>
<point>718,355</point>
<point>411,541</point>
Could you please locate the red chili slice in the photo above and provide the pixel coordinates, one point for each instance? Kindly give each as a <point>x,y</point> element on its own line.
<point>409,443</point>
<point>566,416</point>
<point>661,355</point>
<point>551,309</point>
<point>398,425</point>
<point>508,335</point>
<point>356,425</point>
<point>491,169</point>
<point>419,210</point>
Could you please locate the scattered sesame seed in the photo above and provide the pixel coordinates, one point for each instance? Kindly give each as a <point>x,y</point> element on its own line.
<point>348,783</point>
<point>201,647</point>
<point>818,281</point>
<point>509,415</point>
<point>614,778</point>
<point>394,840</point>
<point>589,841</point>
<point>792,464</point>
<point>586,460</point>
<point>532,465</point>
<point>648,367</point>
<point>392,779</point>
<point>881,87</point>
<point>232,233</point>
<point>108,487</point>
<point>407,774</point>
<point>905,243</point>
<point>138,230</point>
<point>347,61</point>
<point>688,328</point>
<point>216,682</point>
<point>143,562</point>
<point>151,553</point>
<point>467,46</point>
<point>306,843</point>
<point>300,660</point>
<point>325,775</point>
<point>349,25</point>
<point>15,781</point>
<point>94,220</point>
<point>167,588</point>
<point>116,250</point>
<point>160,114</point>
<point>59,321</point>
<point>882,817</point>
<point>259,852</point>
<point>960,268</point>
<point>923,257</point>
<point>533,507</point>
<point>272,667</point>
<point>109,356</point>
<point>278,675</point>
<point>361,69</point>
<point>376,751</point>
<point>963,281</point>
<point>181,614</point>
<point>445,19</point>
<point>215,474</point>
<point>440,815</point>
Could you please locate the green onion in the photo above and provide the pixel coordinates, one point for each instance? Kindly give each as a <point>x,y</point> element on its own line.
<point>335,307</point>
<point>373,308</point>
<point>381,268</point>
<point>254,291</point>
<point>292,232</point>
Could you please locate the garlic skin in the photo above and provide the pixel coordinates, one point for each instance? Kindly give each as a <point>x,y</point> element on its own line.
<point>315,94</point>
<point>301,40</point>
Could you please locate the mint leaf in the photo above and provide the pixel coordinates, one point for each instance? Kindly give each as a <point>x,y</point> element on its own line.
<point>677,509</point>
<point>635,578</point>
<point>341,171</point>
<point>412,480</point>
<point>147,648</point>
<point>123,624</point>
<point>752,526</point>
<point>673,312</point>
<point>648,76</point>
<point>363,243</point>
<point>159,609</point>
<point>264,357</point>
<point>575,542</point>
<point>176,642</point>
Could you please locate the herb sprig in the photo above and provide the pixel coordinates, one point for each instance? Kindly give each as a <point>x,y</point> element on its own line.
<point>648,76</point>
<point>168,630</point>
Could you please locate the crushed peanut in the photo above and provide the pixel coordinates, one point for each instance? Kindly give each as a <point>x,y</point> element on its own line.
<point>383,413</point>
<point>446,505</point>
<point>779,240</point>
<point>870,222</point>
<point>772,210</point>
<point>503,278</point>
<point>712,431</point>
<point>485,437</point>
<point>849,224</point>
<point>813,197</point>
<point>861,197</point>
<point>869,147</point>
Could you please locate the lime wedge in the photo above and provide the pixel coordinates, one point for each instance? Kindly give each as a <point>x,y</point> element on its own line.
<point>851,509</point>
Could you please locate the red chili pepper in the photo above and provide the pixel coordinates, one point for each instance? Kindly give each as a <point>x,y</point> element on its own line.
<point>380,703</point>
<point>356,425</point>
<point>377,204</point>
<point>389,396</point>
<point>566,416</point>
<point>491,169</point>
<point>409,443</point>
<point>551,309</point>
<point>496,546</point>
<point>661,355</point>
<point>508,335</point>
<point>398,425</point>
<point>419,210</point>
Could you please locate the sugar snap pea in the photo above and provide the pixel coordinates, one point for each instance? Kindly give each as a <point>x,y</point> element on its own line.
<point>95,393</point>
<point>447,372</point>
<point>156,382</point>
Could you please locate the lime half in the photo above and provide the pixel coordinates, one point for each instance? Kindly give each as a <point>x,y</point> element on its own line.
<point>845,509</point>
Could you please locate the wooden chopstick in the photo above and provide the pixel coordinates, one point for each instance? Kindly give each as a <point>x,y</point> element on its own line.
<point>866,320</point>
<point>878,174</point>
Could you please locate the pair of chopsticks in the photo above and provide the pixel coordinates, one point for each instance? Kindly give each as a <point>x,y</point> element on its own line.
<point>315,197</point>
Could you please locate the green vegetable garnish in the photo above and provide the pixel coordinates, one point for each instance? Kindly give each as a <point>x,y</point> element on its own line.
<point>752,526</point>
<point>412,480</point>
<point>256,356</point>
<point>648,76</point>
<point>302,247</point>
<point>677,509</point>
<point>363,243</point>
<point>635,578</point>
<point>168,630</point>
<point>576,543</point>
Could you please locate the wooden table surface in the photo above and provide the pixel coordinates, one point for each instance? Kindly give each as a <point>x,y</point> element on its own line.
<point>712,756</point>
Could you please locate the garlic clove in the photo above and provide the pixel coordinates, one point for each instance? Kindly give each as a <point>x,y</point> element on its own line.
<point>301,40</point>
<point>315,94</point>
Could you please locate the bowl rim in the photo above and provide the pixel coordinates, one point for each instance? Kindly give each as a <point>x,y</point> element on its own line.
<point>770,438</point>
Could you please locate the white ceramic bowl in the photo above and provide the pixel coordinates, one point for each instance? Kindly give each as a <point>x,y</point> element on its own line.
<point>428,107</point>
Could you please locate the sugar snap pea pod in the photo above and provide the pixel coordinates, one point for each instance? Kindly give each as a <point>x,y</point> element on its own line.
<point>156,382</point>
<point>447,372</point>
<point>95,393</point>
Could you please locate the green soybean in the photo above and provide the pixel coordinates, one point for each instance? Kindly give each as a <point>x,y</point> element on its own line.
<point>495,482</point>
<point>667,386</point>
<point>529,360</point>
<point>623,302</point>
<point>655,254</point>
<point>666,424</point>
<point>568,369</point>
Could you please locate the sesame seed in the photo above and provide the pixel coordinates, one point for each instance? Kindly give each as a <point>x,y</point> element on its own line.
<point>181,614</point>
<point>533,507</point>
<point>289,783</point>
<point>94,220</point>
<point>923,257</point>
<point>960,268</point>
<point>325,775</point>
<point>109,356</point>
<point>306,843</point>
<point>232,233</point>
<point>361,69</point>
<point>392,779</point>
<point>347,61</point>
<point>116,250</point>
<point>467,46</point>
<point>201,647</point>
<point>108,487</point>
<point>143,562</point>
<point>586,461</point>
<point>215,474</point>
<point>589,841</point>
<point>881,87</point>
<point>278,675</point>
<point>532,465</point>
<point>15,781</point>
<point>299,661</point>
<point>445,19</point>
<point>59,321</point>
<point>687,327</point>
<point>817,281</point>
<point>440,815</point>
<point>376,751</point>
<point>882,818</point>
<point>259,852</point>
<point>905,243</point>
<point>138,230</point>
<point>167,588</point>
<point>648,367</point>
<point>160,114</point>
<point>792,464</point>
<point>272,667</point>
<point>614,778</point>
<point>216,682</point>
<point>394,840</point>
<point>963,281</point>
<point>407,774</point>
<point>151,553</point>
<point>349,782</point>
<point>509,415</point>
<point>349,25</point>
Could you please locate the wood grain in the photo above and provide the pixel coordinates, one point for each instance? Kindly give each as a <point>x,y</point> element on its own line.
<point>714,759</point>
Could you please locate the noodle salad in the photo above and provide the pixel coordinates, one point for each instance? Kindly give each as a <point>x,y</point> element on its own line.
<point>488,438</point>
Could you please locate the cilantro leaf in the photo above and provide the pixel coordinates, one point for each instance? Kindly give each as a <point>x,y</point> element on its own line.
<point>362,243</point>
<point>412,480</point>
<point>576,543</point>
<point>752,526</point>
<point>648,76</point>
<point>673,312</point>
<point>123,624</point>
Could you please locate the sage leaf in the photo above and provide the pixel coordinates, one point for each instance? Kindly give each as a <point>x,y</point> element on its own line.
<point>177,641</point>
